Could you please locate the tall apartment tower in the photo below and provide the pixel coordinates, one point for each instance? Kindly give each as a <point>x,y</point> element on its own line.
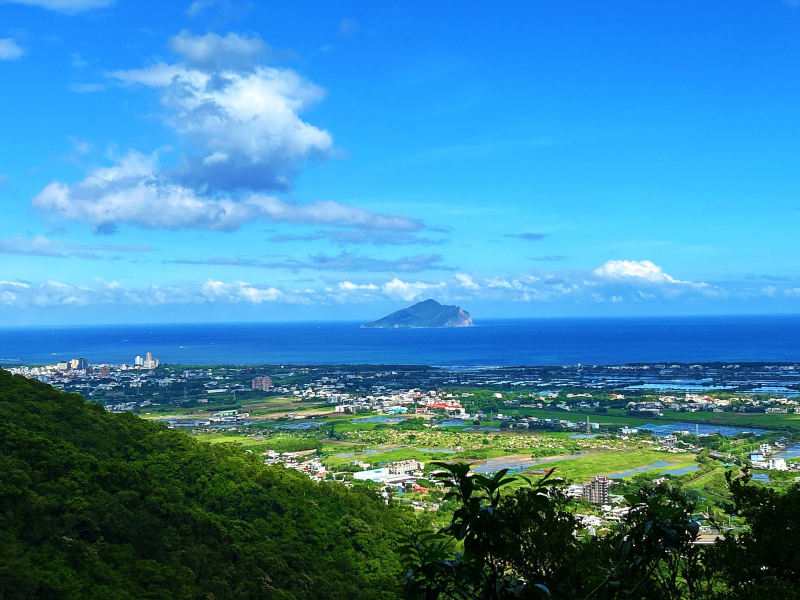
<point>596,490</point>
<point>262,383</point>
<point>150,362</point>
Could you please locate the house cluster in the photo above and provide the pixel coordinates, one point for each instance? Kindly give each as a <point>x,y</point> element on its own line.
<point>312,466</point>
<point>79,375</point>
<point>699,402</point>
<point>646,408</point>
<point>411,401</point>
<point>764,458</point>
<point>672,443</point>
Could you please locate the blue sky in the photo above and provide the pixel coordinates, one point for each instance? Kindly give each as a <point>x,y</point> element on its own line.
<point>224,160</point>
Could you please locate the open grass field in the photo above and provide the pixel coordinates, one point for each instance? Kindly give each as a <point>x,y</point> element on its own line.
<point>612,463</point>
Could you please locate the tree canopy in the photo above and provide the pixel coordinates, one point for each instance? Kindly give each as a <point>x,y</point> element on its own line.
<point>102,506</point>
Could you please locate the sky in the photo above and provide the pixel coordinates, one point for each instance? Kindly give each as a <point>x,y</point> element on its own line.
<point>219,160</point>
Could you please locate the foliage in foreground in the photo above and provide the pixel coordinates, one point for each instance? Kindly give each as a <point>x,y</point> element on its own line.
<point>523,544</point>
<point>102,506</point>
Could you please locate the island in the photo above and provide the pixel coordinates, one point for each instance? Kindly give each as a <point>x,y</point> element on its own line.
<point>428,313</point>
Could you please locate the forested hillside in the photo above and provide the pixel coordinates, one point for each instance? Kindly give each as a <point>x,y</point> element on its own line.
<point>102,506</point>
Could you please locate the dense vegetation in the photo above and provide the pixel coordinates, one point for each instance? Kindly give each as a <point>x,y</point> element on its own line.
<point>522,544</point>
<point>102,506</point>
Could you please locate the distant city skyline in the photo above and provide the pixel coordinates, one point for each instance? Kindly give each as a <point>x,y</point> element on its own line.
<point>230,161</point>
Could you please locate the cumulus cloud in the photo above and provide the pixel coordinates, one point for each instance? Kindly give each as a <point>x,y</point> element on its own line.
<point>136,192</point>
<point>529,236</point>
<point>242,127</point>
<point>344,262</point>
<point>466,281</point>
<point>42,246</point>
<point>644,273</point>
<point>50,294</point>
<point>9,49</point>
<point>566,286</point>
<point>408,291</point>
<point>240,290</point>
<point>65,6</point>
<point>635,269</point>
<point>350,286</point>
<point>243,119</point>
<point>57,294</point>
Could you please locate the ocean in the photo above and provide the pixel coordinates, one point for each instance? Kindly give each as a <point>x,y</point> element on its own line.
<point>546,341</point>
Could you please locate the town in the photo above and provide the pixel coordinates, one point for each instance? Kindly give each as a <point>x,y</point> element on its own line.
<point>598,427</point>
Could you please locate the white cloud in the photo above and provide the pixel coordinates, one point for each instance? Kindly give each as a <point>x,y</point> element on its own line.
<point>212,51</point>
<point>244,120</point>
<point>572,287</point>
<point>631,273</point>
<point>244,136</point>
<point>135,192</point>
<point>258,296</point>
<point>64,6</point>
<point>347,285</point>
<point>55,293</point>
<point>9,49</point>
<point>640,269</point>
<point>407,291</point>
<point>466,281</point>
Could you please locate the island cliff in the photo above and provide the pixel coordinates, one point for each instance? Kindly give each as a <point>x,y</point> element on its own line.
<point>428,313</point>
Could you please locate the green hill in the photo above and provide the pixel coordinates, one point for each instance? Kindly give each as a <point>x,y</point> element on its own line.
<point>101,506</point>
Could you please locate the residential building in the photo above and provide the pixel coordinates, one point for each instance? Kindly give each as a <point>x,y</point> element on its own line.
<point>596,490</point>
<point>262,383</point>
<point>150,362</point>
<point>778,464</point>
<point>401,467</point>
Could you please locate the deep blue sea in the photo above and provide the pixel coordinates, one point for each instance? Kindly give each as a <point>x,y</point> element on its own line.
<point>547,341</point>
